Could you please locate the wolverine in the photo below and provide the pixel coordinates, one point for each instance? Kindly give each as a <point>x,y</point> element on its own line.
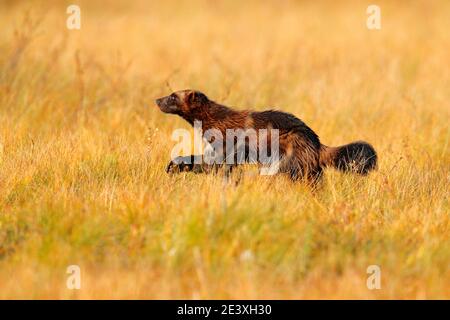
<point>301,154</point>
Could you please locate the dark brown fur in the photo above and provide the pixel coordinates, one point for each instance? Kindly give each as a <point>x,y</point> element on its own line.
<point>302,154</point>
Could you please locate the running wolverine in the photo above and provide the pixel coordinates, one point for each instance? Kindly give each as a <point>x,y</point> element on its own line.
<point>302,154</point>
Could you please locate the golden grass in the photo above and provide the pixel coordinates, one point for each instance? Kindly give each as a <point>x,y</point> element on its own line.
<point>83,150</point>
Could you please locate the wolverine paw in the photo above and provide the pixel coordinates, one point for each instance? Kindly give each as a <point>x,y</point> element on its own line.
<point>186,164</point>
<point>179,164</point>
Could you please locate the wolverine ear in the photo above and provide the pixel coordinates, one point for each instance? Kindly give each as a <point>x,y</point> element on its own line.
<point>196,98</point>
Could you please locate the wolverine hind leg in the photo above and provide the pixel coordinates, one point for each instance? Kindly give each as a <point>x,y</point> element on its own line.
<point>301,162</point>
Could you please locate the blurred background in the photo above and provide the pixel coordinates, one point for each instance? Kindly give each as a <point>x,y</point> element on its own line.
<point>83,148</point>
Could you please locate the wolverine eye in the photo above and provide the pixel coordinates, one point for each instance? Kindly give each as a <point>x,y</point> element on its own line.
<point>172,99</point>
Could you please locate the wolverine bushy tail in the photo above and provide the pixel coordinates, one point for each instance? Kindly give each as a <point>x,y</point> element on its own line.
<point>359,157</point>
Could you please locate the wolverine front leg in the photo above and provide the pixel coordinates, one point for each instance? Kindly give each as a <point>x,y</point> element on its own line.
<point>192,163</point>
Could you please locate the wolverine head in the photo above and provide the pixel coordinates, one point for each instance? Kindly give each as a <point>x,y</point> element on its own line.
<point>182,102</point>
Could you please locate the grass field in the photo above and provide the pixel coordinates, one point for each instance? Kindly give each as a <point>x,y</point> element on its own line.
<point>83,149</point>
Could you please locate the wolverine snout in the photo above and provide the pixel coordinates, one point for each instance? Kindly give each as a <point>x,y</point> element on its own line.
<point>167,104</point>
